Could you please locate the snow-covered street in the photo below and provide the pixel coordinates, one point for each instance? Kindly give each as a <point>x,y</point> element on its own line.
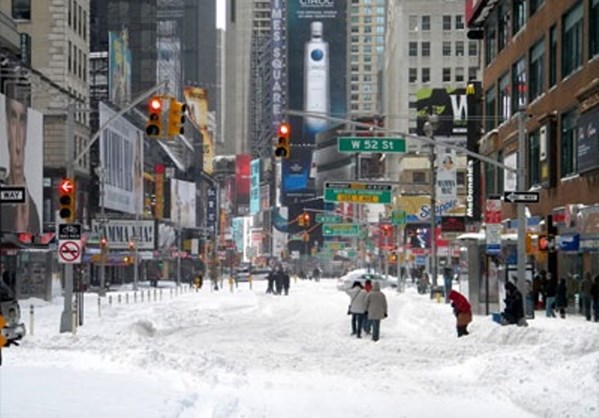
<point>249,354</point>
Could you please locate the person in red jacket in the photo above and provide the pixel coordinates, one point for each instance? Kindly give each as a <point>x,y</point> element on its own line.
<point>462,310</point>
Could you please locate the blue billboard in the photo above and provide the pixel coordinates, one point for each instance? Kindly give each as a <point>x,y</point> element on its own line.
<point>317,67</point>
<point>254,186</point>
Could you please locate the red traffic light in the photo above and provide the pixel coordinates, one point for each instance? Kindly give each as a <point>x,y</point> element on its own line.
<point>155,104</point>
<point>66,186</point>
<point>284,129</point>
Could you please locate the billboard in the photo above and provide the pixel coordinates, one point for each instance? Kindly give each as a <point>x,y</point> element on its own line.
<point>22,160</point>
<point>183,203</point>
<point>121,155</point>
<point>242,183</point>
<point>588,138</point>
<point>449,104</point>
<point>255,186</point>
<point>197,110</point>
<point>317,66</point>
<point>119,67</point>
<point>279,76</point>
<point>446,181</point>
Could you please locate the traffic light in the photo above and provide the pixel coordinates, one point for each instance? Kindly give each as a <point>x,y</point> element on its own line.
<point>66,193</point>
<point>104,244</point>
<point>131,246</point>
<point>392,257</point>
<point>306,218</point>
<point>283,146</point>
<point>300,220</point>
<point>176,118</point>
<point>3,340</point>
<point>386,230</point>
<point>154,124</point>
<point>543,242</point>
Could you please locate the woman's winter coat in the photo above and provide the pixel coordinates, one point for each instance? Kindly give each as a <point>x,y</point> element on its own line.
<point>461,308</point>
<point>357,297</point>
<point>376,302</point>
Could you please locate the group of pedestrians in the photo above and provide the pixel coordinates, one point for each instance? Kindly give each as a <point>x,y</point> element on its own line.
<point>367,307</point>
<point>278,281</point>
<point>555,295</point>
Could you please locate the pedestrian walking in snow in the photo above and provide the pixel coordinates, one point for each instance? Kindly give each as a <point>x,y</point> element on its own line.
<point>367,322</point>
<point>595,297</point>
<point>514,310</point>
<point>586,286</point>
<point>561,297</point>
<point>376,308</point>
<point>357,307</point>
<point>271,281</point>
<point>462,311</point>
<point>550,288</point>
<point>286,281</point>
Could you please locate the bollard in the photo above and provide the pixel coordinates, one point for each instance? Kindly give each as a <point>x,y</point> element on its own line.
<point>171,292</point>
<point>141,295</point>
<point>127,298</point>
<point>155,295</point>
<point>250,281</point>
<point>135,297</point>
<point>99,307</point>
<point>149,295</point>
<point>31,314</point>
<point>118,299</point>
<point>160,294</point>
<point>231,281</point>
<point>110,300</point>
<point>74,318</point>
<point>295,279</point>
<point>438,297</point>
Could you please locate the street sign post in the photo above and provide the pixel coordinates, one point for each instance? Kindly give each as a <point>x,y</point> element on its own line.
<point>521,197</point>
<point>371,144</point>
<point>12,194</point>
<point>352,192</point>
<point>341,230</point>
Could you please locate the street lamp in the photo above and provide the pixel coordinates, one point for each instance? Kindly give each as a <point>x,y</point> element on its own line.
<point>429,130</point>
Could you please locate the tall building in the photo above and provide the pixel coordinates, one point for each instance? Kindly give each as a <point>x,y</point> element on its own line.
<point>367,51</point>
<point>543,57</point>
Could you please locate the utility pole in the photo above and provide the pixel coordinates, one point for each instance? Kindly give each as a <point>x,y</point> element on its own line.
<point>178,242</point>
<point>429,129</point>
<point>521,207</point>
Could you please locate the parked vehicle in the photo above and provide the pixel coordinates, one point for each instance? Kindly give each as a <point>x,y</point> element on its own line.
<point>361,275</point>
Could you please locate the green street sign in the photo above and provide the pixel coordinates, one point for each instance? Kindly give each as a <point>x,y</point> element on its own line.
<point>399,217</point>
<point>341,230</point>
<point>357,192</point>
<point>371,144</point>
<point>331,219</point>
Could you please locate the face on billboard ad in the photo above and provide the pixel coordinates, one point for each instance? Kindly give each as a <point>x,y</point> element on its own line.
<point>316,63</point>
<point>21,159</point>
<point>121,144</point>
<point>183,203</point>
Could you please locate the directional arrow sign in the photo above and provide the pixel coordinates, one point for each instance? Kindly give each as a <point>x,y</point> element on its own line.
<point>66,186</point>
<point>521,197</point>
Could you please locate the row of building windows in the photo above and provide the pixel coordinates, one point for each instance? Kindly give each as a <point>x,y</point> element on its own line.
<point>77,18</point>
<point>77,62</point>
<point>367,29</point>
<point>379,10</point>
<point>529,77</point>
<point>367,39</point>
<point>368,20</point>
<point>458,72</point>
<point>423,23</point>
<point>367,49</point>
<point>458,47</point>
<point>369,2</point>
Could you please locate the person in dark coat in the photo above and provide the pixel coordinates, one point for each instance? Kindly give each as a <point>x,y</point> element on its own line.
<point>536,290</point>
<point>561,298</point>
<point>550,287</point>
<point>586,297</point>
<point>357,307</point>
<point>367,322</point>
<point>514,309</point>
<point>271,281</point>
<point>595,297</point>
<point>462,311</point>
<point>279,278</point>
<point>375,304</point>
<point>286,281</point>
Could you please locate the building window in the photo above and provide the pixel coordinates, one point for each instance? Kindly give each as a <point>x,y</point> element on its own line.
<point>490,111</point>
<point>472,73</point>
<point>413,75</point>
<point>460,179</point>
<point>553,56</point>
<point>426,75</point>
<point>490,40</point>
<point>537,54</point>
<point>446,48</point>
<point>519,94</point>
<point>413,23</point>
<point>418,177</point>
<point>70,58</point>
<point>446,75</point>
<point>489,180</point>
<point>446,22</point>
<point>426,23</point>
<point>459,74</point>
<point>503,17</point>
<point>572,40</point>
<point>568,144</point>
<point>594,28</point>
<point>519,12</point>
<point>472,48</point>
<point>505,98</point>
<point>534,162</point>
<point>21,9</point>
<point>413,49</point>
<point>426,48</point>
<point>459,48</point>
<point>459,22</point>
<point>534,6</point>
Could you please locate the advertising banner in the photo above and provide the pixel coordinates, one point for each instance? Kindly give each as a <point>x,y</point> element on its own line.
<point>278,64</point>
<point>119,67</point>
<point>446,182</point>
<point>121,233</point>
<point>510,179</point>
<point>183,203</point>
<point>242,183</point>
<point>22,160</point>
<point>255,186</point>
<point>317,66</point>
<point>449,104</point>
<point>196,99</point>
<point>588,141</point>
<point>211,209</point>
<point>121,155</point>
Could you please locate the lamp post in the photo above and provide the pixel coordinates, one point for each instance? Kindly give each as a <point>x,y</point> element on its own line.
<point>429,130</point>
<point>178,242</point>
<point>101,173</point>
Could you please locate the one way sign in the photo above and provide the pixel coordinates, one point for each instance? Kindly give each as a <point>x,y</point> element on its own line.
<point>521,197</point>
<point>12,195</point>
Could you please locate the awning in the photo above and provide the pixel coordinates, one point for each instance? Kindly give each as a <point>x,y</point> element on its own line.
<point>172,156</point>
